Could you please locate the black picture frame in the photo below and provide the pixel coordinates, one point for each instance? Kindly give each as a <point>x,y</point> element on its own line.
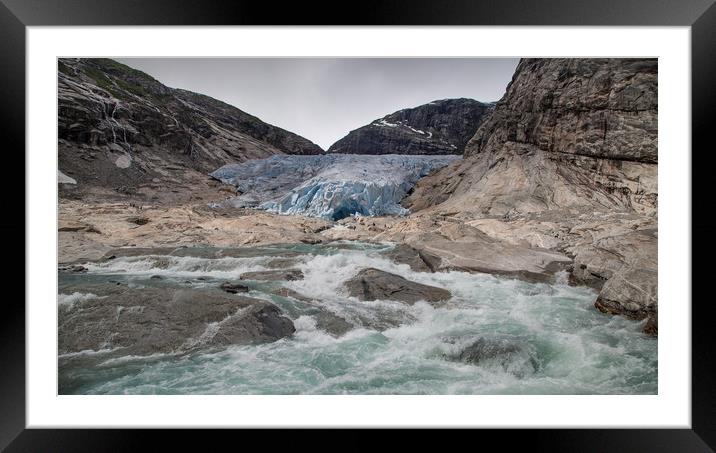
<point>700,15</point>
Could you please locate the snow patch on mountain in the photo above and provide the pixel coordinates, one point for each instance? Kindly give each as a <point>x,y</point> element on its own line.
<point>383,123</point>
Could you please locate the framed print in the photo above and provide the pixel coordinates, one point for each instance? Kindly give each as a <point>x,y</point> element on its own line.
<point>401,218</point>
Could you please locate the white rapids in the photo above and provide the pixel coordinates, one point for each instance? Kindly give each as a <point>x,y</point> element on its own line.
<point>562,344</point>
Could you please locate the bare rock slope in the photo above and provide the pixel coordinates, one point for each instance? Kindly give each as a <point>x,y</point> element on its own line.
<point>568,161</point>
<point>439,127</point>
<point>122,130</point>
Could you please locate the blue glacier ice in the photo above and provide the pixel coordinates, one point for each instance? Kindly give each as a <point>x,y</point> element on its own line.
<point>330,186</point>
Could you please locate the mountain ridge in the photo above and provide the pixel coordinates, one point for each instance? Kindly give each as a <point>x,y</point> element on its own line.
<point>442,126</point>
<point>119,128</point>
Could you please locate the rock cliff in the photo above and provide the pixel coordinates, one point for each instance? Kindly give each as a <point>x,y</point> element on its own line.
<point>568,161</point>
<point>439,127</point>
<point>119,128</point>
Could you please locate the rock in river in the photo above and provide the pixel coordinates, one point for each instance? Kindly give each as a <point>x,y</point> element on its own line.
<point>234,288</point>
<point>286,275</point>
<point>332,324</point>
<point>150,320</point>
<point>508,355</point>
<point>372,284</point>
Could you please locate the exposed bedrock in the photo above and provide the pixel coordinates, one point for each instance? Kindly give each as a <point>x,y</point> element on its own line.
<point>461,247</point>
<point>568,161</point>
<point>568,133</point>
<point>433,243</point>
<point>234,288</point>
<point>603,108</point>
<point>418,260</point>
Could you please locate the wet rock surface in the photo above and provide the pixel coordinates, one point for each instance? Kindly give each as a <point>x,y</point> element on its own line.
<point>151,320</point>
<point>286,275</point>
<point>287,292</point>
<point>373,284</point>
<point>333,324</point>
<point>234,288</point>
<point>509,355</point>
<point>652,325</point>
<point>77,269</point>
<point>282,263</point>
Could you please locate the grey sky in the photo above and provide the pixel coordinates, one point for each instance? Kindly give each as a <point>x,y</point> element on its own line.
<point>323,99</point>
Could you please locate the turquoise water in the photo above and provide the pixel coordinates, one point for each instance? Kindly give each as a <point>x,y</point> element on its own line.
<point>565,345</point>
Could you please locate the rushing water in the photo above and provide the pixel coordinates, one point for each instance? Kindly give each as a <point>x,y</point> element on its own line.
<point>565,345</point>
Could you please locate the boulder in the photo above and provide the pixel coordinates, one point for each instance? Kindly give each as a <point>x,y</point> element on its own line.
<point>234,288</point>
<point>331,323</point>
<point>285,275</point>
<point>373,284</point>
<point>287,292</point>
<point>151,320</point>
<point>503,353</point>
<point>77,269</point>
<point>652,325</point>
<point>281,263</point>
<point>627,265</point>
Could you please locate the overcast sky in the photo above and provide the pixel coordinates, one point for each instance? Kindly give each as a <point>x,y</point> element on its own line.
<point>323,99</point>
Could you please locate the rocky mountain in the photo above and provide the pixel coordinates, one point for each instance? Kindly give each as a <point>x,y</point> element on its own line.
<point>568,161</point>
<point>121,129</point>
<point>439,127</point>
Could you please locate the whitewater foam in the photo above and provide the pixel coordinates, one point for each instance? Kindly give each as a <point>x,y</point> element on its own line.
<point>557,342</point>
<point>69,300</point>
<point>179,266</point>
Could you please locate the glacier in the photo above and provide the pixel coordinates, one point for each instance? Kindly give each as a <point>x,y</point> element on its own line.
<point>330,186</point>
